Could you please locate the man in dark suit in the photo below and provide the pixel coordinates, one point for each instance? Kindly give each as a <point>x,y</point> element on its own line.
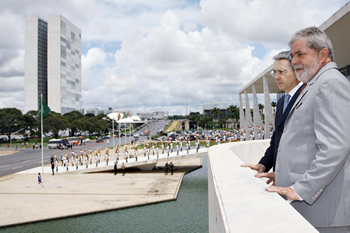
<point>287,81</point>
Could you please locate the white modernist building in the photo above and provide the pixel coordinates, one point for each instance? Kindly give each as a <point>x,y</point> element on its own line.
<point>336,29</point>
<point>53,64</point>
<point>35,62</point>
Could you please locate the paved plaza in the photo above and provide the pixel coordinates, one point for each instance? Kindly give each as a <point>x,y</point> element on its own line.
<point>89,190</point>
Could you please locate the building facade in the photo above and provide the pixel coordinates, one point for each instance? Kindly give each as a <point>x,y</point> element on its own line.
<point>53,64</point>
<point>153,115</point>
<point>35,62</point>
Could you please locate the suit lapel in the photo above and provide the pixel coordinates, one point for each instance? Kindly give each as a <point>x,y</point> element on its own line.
<point>279,112</point>
<point>284,115</point>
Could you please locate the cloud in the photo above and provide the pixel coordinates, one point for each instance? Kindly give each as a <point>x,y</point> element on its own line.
<point>13,66</point>
<point>168,66</point>
<point>12,92</point>
<point>268,22</point>
<point>161,53</point>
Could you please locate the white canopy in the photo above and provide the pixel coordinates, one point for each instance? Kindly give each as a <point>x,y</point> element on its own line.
<point>130,120</point>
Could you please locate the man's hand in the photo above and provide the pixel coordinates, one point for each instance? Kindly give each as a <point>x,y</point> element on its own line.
<point>257,167</point>
<point>270,175</point>
<point>286,191</point>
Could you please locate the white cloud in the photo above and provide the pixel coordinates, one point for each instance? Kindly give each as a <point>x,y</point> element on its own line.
<point>170,50</point>
<point>93,57</point>
<point>269,22</point>
<point>13,66</point>
<point>168,65</point>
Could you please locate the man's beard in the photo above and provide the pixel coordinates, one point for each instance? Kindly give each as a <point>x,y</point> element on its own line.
<point>308,72</point>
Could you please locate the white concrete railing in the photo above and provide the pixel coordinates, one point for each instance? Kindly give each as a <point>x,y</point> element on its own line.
<point>238,201</point>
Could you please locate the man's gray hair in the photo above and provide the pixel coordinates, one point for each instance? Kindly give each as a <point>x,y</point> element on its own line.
<point>284,55</point>
<point>315,39</point>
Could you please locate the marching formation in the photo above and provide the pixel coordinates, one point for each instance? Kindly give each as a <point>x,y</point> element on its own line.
<point>93,157</point>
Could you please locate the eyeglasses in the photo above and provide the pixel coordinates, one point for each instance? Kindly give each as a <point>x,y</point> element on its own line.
<point>280,72</point>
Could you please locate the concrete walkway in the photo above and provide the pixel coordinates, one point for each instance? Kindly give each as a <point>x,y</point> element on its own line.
<point>68,194</point>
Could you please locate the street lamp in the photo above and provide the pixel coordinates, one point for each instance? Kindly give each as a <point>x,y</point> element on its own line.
<point>13,134</point>
<point>104,118</point>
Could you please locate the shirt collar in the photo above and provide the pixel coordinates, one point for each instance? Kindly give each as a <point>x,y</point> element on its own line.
<point>292,92</point>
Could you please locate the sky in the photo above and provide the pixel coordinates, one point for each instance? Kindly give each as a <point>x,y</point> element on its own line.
<point>146,55</point>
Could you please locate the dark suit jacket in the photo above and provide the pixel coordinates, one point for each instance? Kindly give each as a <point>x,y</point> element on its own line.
<point>269,159</point>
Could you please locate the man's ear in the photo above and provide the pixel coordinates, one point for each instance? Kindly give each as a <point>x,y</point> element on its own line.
<point>323,55</point>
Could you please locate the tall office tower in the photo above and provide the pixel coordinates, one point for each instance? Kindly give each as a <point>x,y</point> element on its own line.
<point>35,62</point>
<point>53,64</point>
<point>64,65</point>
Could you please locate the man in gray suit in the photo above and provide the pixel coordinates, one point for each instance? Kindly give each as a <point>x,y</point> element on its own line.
<point>313,163</point>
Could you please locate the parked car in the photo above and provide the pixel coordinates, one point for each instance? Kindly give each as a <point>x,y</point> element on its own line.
<point>87,140</point>
<point>3,140</point>
<point>64,144</point>
<point>100,140</point>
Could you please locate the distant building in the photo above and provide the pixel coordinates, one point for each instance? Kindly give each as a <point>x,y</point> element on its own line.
<point>52,64</point>
<point>159,115</point>
<point>95,111</point>
<point>153,115</point>
<point>223,106</point>
<point>145,115</point>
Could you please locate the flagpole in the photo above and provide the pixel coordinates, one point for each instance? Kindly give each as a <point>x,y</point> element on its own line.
<point>113,131</point>
<point>42,140</point>
<point>125,132</point>
<point>119,132</point>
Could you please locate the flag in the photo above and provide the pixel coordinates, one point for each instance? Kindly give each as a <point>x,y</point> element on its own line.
<point>131,126</point>
<point>118,116</point>
<point>124,115</point>
<point>45,108</point>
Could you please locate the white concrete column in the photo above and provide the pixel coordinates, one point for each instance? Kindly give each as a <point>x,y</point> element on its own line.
<point>268,109</point>
<point>241,113</point>
<point>256,113</point>
<point>248,116</point>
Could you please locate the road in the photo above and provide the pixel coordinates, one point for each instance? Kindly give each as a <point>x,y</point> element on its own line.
<point>154,126</point>
<point>30,158</point>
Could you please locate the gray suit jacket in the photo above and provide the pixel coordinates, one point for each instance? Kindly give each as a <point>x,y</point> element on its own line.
<point>314,151</point>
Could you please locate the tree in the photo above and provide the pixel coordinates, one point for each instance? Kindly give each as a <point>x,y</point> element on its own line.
<point>102,116</point>
<point>205,122</point>
<point>222,123</point>
<point>90,115</point>
<point>194,116</point>
<point>54,122</point>
<point>274,104</point>
<point>9,120</point>
<point>93,125</point>
<point>79,124</point>
<point>261,107</point>
<point>216,112</point>
<point>234,111</point>
<point>31,121</point>
<point>70,117</point>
